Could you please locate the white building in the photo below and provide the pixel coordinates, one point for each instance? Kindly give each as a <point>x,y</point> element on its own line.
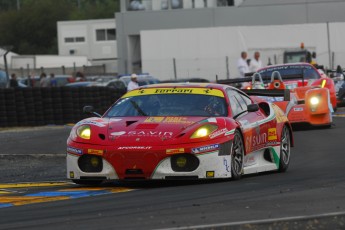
<point>95,39</point>
<point>203,38</point>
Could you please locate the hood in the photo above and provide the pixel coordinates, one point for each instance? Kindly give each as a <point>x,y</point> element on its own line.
<point>134,130</point>
<point>148,129</point>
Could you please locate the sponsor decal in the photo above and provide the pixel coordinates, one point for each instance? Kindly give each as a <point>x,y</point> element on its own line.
<point>205,148</point>
<point>174,151</point>
<point>280,116</point>
<point>149,133</point>
<point>256,141</point>
<point>134,147</point>
<point>117,133</point>
<point>173,90</point>
<point>74,150</point>
<point>218,133</point>
<point>209,174</point>
<point>154,119</point>
<point>150,91</point>
<point>170,120</point>
<point>99,124</point>
<point>226,164</point>
<point>298,109</point>
<point>95,151</point>
<point>230,132</point>
<point>272,134</point>
<point>71,174</point>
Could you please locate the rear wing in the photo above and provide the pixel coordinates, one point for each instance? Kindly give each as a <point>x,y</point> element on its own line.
<point>274,94</point>
<point>266,79</point>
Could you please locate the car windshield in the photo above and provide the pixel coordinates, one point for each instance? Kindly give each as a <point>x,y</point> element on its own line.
<point>291,71</point>
<point>169,105</point>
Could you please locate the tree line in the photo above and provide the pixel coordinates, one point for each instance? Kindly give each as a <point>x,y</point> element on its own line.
<point>30,26</point>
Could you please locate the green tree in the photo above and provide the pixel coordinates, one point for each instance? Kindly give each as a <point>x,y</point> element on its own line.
<point>32,27</point>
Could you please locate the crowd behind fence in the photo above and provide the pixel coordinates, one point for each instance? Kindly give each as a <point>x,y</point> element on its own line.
<point>87,70</point>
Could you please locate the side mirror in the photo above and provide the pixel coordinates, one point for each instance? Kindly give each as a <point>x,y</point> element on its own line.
<point>252,107</point>
<point>88,109</point>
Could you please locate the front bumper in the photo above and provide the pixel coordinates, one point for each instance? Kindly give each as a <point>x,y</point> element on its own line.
<point>154,163</point>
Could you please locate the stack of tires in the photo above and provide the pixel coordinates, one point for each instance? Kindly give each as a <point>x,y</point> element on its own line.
<point>38,106</point>
<point>29,104</point>
<point>57,103</point>
<point>67,105</point>
<point>20,108</point>
<point>3,111</point>
<point>10,106</point>
<point>57,106</point>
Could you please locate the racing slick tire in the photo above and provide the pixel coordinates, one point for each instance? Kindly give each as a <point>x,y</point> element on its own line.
<point>285,150</point>
<point>237,156</point>
<point>88,182</point>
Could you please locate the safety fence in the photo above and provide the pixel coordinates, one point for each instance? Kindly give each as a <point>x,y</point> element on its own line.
<point>56,106</point>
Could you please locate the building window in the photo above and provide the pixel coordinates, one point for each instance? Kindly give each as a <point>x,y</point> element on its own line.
<point>79,39</point>
<point>105,35</point>
<point>225,3</point>
<point>111,34</point>
<point>100,35</point>
<point>69,40</point>
<point>171,4</point>
<point>74,39</point>
<point>136,5</point>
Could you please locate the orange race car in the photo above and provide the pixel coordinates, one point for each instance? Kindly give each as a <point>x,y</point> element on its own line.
<point>311,97</point>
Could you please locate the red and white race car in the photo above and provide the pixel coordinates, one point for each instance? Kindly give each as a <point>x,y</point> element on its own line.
<point>180,131</point>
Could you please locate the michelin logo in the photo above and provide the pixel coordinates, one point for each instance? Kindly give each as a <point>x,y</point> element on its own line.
<point>205,148</point>
<point>74,150</point>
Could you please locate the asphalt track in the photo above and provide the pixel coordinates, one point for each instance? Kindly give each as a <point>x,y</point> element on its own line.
<point>310,195</point>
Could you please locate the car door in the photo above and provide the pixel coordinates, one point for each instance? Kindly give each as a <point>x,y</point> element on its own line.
<point>254,125</point>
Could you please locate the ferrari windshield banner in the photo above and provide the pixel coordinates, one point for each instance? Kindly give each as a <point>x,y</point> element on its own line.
<point>149,91</point>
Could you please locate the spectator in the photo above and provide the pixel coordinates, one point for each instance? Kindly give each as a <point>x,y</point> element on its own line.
<point>44,81</point>
<point>13,81</point>
<point>30,82</point>
<point>242,64</point>
<point>255,63</point>
<point>53,81</point>
<point>80,76</point>
<point>133,84</point>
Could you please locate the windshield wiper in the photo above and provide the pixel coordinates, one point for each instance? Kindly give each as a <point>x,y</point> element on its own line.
<point>137,108</point>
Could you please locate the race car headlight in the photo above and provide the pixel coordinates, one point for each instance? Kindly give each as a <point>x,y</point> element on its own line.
<point>314,101</point>
<point>84,132</point>
<point>204,131</point>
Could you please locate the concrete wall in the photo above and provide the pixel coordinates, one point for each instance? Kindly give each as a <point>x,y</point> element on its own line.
<point>250,13</point>
<point>207,52</point>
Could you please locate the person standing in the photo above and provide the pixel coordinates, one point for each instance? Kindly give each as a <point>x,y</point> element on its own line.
<point>13,81</point>
<point>44,82</point>
<point>242,64</point>
<point>53,81</point>
<point>255,63</point>
<point>133,84</point>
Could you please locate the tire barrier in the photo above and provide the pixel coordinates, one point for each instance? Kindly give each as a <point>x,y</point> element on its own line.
<point>52,106</point>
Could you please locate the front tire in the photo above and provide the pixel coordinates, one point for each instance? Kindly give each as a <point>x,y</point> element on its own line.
<point>285,150</point>
<point>237,156</point>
